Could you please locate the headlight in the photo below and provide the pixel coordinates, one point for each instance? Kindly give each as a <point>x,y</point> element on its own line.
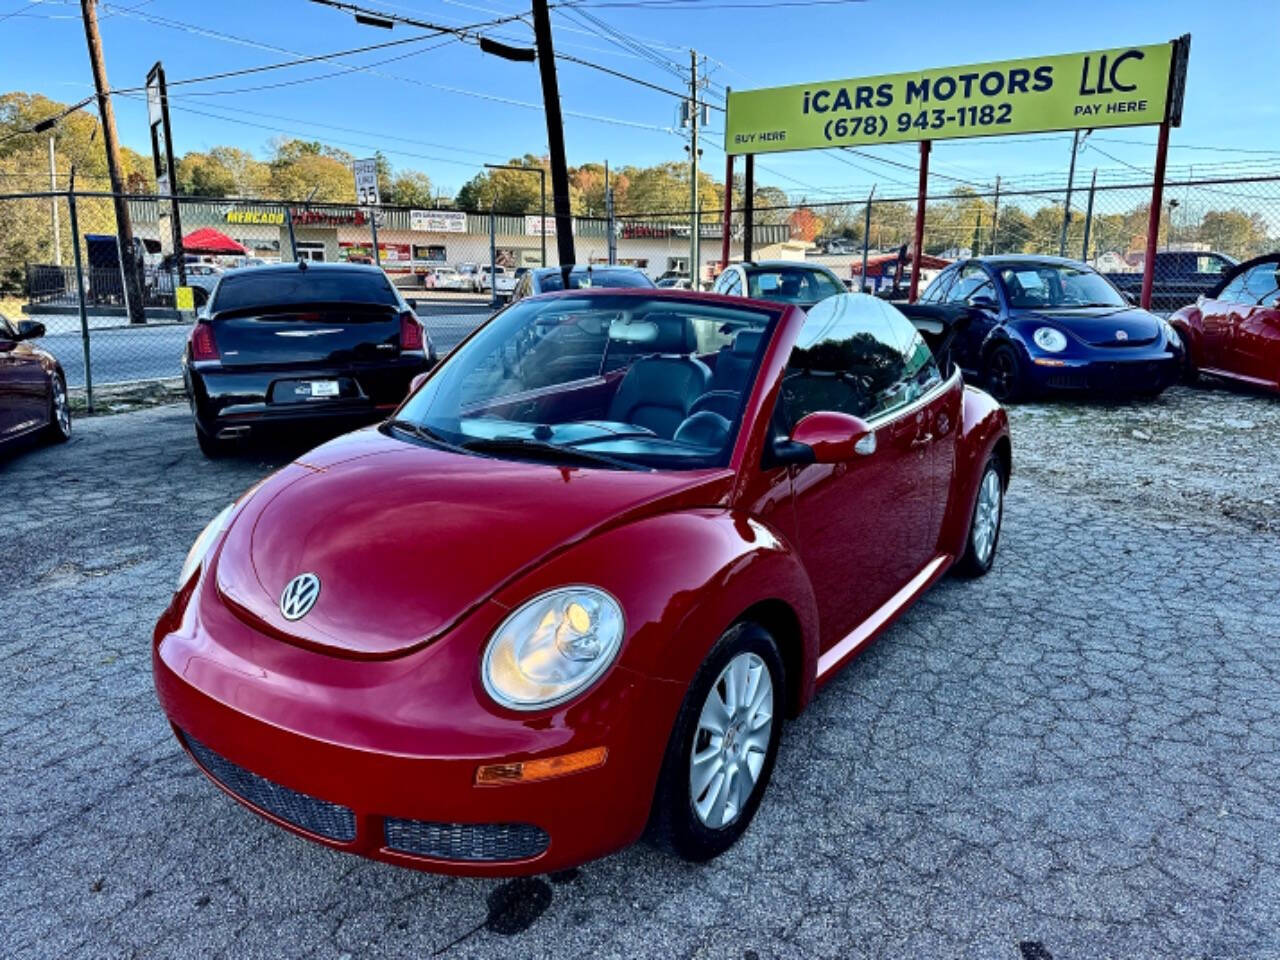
<point>1049,339</point>
<point>552,647</point>
<point>1171,334</point>
<point>195,556</point>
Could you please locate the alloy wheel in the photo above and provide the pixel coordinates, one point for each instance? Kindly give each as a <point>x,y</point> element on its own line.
<point>986,519</point>
<point>731,741</point>
<point>1003,374</point>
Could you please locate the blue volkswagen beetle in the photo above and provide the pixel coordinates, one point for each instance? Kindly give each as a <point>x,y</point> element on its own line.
<point>1032,324</point>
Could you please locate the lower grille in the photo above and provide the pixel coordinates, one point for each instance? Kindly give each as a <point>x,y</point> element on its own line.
<point>318,816</point>
<point>466,841</point>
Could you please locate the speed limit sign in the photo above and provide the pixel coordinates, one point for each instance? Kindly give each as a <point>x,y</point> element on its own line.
<point>367,183</point>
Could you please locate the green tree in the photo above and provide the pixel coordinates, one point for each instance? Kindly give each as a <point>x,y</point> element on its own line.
<point>300,167</point>
<point>251,176</point>
<point>507,191</point>
<point>409,188</point>
<point>1240,234</point>
<point>201,175</point>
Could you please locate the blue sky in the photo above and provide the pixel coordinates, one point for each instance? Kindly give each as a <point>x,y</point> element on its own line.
<point>414,109</point>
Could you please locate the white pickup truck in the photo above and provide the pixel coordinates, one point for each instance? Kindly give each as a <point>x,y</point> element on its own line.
<point>503,282</point>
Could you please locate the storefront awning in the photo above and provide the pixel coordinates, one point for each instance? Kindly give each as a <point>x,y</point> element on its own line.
<point>211,241</point>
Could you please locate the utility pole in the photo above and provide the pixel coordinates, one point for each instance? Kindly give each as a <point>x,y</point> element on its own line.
<point>555,132</point>
<point>695,227</point>
<point>53,205</point>
<point>995,218</point>
<point>608,213</point>
<point>1066,207</point>
<point>1088,216</point>
<point>124,227</point>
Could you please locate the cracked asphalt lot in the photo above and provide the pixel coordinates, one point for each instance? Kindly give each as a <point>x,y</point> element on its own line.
<point>1077,756</point>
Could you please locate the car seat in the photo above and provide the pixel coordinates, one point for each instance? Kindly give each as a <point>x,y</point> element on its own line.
<point>659,389</point>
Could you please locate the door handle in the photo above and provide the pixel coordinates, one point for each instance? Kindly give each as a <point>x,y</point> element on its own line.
<point>922,441</point>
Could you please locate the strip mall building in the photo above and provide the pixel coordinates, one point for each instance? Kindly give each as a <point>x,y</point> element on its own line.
<point>413,241</point>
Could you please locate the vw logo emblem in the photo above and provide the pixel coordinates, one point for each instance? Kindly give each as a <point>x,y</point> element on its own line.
<point>1122,335</point>
<point>300,595</point>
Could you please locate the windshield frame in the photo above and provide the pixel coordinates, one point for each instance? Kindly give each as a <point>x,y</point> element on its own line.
<point>725,458</point>
<point>1013,267</point>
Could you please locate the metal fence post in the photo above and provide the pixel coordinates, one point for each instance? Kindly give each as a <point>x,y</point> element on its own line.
<point>493,255</point>
<point>373,227</point>
<point>866,239</point>
<point>293,241</point>
<point>611,226</point>
<point>1088,216</point>
<point>995,218</point>
<point>84,312</point>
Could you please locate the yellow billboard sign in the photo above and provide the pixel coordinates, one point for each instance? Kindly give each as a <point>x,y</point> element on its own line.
<point>184,298</point>
<point>1122,87</point>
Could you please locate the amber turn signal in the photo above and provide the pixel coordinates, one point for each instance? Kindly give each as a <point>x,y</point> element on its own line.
<point>543,769</point>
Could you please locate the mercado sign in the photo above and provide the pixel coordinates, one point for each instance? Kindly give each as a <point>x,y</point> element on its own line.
<point>1126,86</point>
<point>268,217</point>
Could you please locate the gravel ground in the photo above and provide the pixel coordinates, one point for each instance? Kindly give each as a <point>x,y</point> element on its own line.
<point>1073,757</point>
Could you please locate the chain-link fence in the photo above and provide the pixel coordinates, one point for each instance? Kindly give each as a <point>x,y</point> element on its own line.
<point>449,262</point>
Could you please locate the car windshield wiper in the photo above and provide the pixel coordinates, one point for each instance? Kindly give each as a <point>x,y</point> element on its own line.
<point>541,448</point>
<point>422,433</point>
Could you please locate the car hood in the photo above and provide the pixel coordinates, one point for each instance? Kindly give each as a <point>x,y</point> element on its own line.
<point>1098,326</point>
<point>406,539</point>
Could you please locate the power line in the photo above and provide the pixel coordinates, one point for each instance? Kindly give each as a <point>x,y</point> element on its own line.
<point>704,5</point>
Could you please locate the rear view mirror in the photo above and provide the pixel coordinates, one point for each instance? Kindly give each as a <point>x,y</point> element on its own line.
<point>827,437</point>
<point>30,330</point>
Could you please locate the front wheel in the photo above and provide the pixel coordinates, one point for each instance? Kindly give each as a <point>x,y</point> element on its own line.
<point>1005,379</point>
<point>723,747</point>
<point>984,526</point>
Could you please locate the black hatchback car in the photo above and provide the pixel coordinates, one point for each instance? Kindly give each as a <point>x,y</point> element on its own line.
<point>298,342</point>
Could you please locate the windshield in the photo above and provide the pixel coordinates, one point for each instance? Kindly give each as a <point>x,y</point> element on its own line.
<point>792,284</point>
<point>1038,285</point>
<point>276,288</point>
<point>554,279</point>
<point>598,379</point>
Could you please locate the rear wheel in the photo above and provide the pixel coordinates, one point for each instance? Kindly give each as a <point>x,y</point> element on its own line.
<point>723,747</point>
<point>59,430</point>
<point>1189,372</point>
<point>1005,379</point>
<point>984,526</point>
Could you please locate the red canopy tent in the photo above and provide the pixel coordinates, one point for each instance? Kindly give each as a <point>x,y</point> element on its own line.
<point>884,264</point>
<point>211,241</point>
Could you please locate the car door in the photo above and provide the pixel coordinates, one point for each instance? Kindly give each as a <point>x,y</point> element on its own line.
<point>24,385</point>
<point>1253,349</point>
<point>972,282</point>
<point>865,527</point>
<point>1216,322</point>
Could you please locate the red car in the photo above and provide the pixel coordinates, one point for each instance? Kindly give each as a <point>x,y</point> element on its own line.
<point>33,388</point>
<point>1234,330</point>
<point>569,592</point>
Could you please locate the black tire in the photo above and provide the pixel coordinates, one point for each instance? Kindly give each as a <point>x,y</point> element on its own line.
<point>978,560</point>
<point>1190,374</point>
<point>674,823</point>
<point>212,447</point>
<point>59,429</point>
<point>1005,378</point>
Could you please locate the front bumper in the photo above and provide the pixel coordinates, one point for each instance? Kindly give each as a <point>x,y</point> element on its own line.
<point>379,757</point>
<point>1105,370</point>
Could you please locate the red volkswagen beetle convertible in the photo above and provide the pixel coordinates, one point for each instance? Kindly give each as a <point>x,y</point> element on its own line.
<point>569,592</point>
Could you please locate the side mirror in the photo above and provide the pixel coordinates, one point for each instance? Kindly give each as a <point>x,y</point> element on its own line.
<point>30,330</point>
<point>1131,298</point>
<point>416,382</point>
<point>827,437</point>
<point>984,303</point>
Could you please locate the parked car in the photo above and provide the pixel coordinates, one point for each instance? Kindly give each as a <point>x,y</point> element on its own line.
<point>1037,324</point>
<point>674,283</point>
<point>33,388</point>
<point>506,280</point>
<point>534,614</point>
<point>447,278</point>
<point>549,279</point>
<point>1234,329</point>
<point>782,281</point>
<point>470,273</point>
<point>297,342</point>
<point>201,278</point>
<point>1180,277</point>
